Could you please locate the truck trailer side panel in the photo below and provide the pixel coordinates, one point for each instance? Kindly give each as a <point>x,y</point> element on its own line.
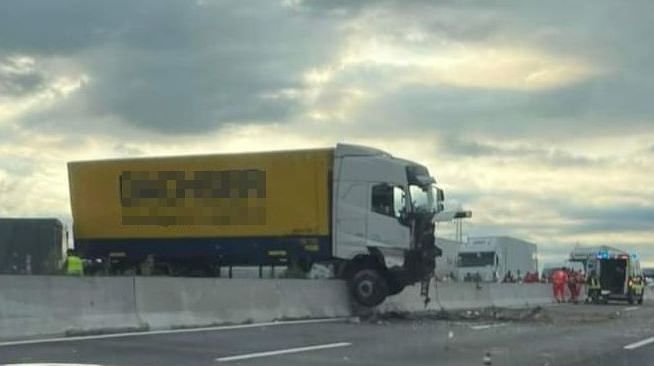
<point>29,245</point>
<point>254,208</point>
<point>520,255</point>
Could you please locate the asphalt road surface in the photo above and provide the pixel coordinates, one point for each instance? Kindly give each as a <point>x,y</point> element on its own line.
<point>559,335</point>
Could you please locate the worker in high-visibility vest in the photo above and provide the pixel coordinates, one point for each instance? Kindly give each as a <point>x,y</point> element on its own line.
<point>74,265</point>
<point>594,288</point>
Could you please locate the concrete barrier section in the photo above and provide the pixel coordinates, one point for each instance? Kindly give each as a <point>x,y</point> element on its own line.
<point>505,295</point>
<point>409,300</point>
<point>49,305</point>
<point>444,296</point>
<point>462,296</point>
<point>537,294</point>
<point>165,302</point>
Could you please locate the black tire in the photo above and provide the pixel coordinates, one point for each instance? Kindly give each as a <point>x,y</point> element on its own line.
<point>641,298</point>
<point>368,287</point>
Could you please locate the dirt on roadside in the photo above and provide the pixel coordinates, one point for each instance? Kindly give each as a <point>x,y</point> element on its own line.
<point>559,314</point>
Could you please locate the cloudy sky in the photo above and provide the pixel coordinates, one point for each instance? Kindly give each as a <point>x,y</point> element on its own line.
<point>536,115</point>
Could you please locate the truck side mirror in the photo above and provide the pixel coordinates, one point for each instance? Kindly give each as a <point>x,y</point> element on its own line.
<point>440,198</point>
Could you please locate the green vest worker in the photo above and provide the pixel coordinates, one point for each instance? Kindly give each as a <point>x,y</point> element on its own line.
<point>74,265</point>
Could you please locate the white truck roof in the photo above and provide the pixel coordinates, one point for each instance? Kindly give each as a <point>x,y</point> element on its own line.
<point>492,242</point>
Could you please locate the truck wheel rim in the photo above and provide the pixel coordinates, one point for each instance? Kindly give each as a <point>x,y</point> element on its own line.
<point>365,288</point>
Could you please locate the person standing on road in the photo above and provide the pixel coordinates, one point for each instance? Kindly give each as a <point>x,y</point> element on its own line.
<point>593,289</point>
<point>581,282</point>
<point>73,264</point>
<point>508,278</point>
<point>559,279</point>
<point>572,286</point>
<point>14,265</point>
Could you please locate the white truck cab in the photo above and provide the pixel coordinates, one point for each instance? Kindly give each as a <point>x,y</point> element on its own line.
<point>382,221</point>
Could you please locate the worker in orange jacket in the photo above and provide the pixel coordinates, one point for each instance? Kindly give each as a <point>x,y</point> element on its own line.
<point>559,280</point>
<point>572,286</point>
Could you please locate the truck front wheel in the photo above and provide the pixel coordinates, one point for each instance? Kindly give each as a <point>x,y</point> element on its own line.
<point>368,287</point>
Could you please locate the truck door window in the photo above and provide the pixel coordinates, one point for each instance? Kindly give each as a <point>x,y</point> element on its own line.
<point>388,200</point>
<point>382,199</point>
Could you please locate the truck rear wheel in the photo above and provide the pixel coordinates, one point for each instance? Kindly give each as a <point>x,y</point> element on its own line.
<point>368,287</point>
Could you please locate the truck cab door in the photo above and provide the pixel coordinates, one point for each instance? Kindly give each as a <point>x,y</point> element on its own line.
<point>350,219</point>
<point>386,231</point>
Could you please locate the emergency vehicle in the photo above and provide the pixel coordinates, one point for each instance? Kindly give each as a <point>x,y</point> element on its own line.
<point>617,272</point>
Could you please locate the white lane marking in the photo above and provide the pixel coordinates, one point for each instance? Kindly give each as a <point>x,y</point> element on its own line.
<point>171,331</point>
<point>49,364</point>
<point>631,308</point>
<point>487,326</point>
<point>638,344</point>
<point>283,351</point>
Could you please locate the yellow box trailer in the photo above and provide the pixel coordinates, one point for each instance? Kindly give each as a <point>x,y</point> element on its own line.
<point>240,208</point>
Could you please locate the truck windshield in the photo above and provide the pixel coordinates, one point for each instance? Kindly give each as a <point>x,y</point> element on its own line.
<point>422,198</point>
<point>476,259</point>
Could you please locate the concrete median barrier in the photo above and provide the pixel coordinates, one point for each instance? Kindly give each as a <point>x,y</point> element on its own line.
<point>444,296</point>
<point>510,295</point>
<point>55,305</point>
<point>165,302</point>
<point>462,296</point>
<point>505,295</point>
<point>409,300</point>
<point>41,306</point>
<point>535,293</point>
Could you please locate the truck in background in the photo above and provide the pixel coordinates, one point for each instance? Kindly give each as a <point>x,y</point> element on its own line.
<point>446,263</point>
<point>365,213</point>
<point>31,245</point>
<point>618,272</point>
<point>493,257</point>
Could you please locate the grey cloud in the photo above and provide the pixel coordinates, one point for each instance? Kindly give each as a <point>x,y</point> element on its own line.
<point>574,218</point>
<point>17,79</point>
<point>596,108</point>
<point>611,219</point>
<point>175,67</point>
<point>611,37</point>
<point>557,157</point>
<point>124,149</point>
<point>59,27</point>
<point>8,190</point>
<point>471,148</point>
